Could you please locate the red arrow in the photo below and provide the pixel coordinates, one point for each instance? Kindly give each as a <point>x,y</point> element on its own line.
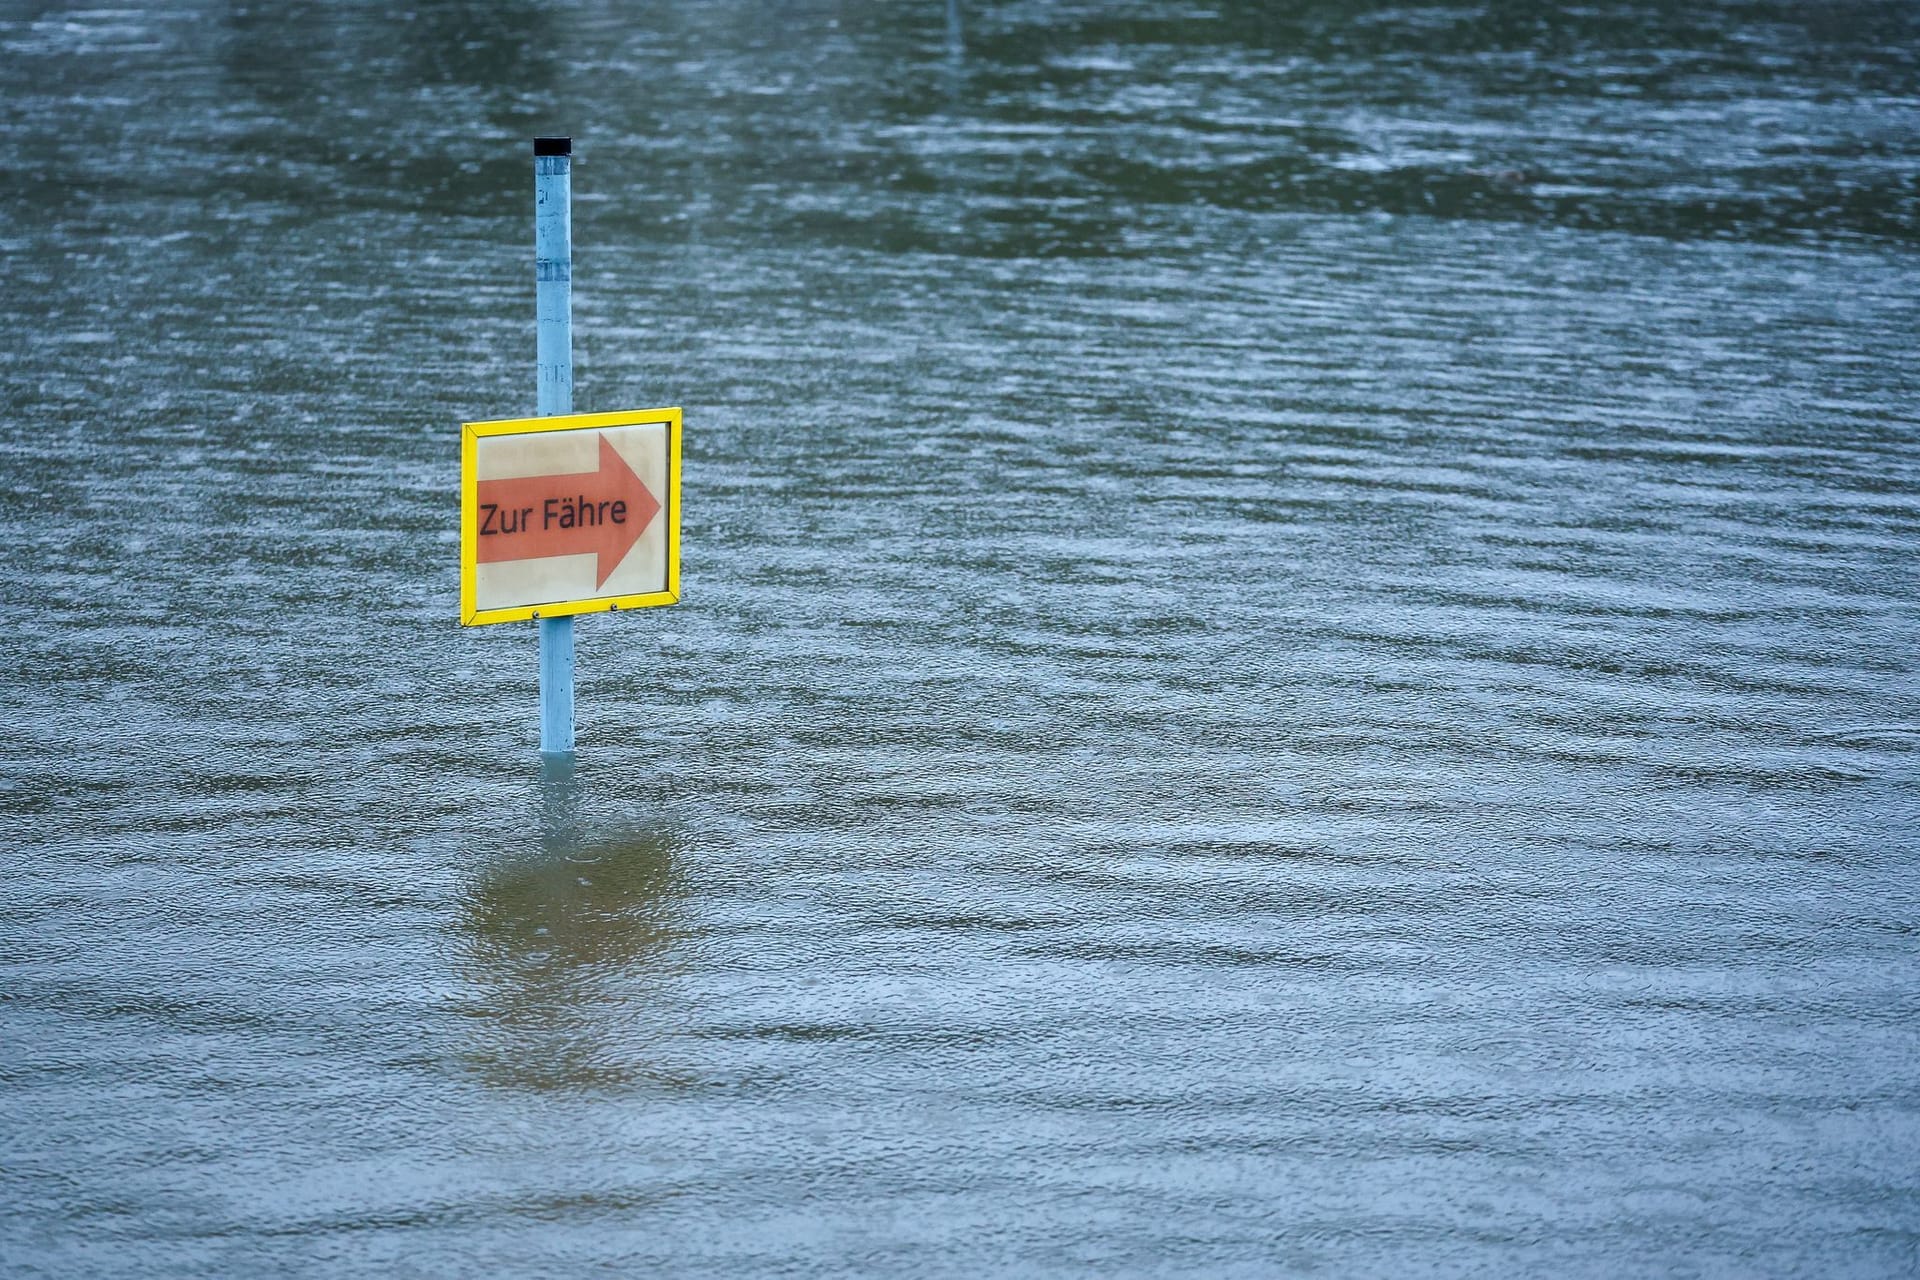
<point>603,511</point>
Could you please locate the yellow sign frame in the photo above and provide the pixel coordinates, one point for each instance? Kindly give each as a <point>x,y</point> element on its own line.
<point>471,434</point>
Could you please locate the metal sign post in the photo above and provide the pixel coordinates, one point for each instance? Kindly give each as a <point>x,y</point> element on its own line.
<point>553,341</point>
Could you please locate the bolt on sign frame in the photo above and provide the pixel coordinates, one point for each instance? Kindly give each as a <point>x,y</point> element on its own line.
<point>546,522</point>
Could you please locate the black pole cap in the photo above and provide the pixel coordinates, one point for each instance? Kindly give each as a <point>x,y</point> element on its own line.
<point>553,146</point>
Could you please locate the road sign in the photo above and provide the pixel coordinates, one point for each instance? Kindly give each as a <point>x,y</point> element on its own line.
<point>570,514</point>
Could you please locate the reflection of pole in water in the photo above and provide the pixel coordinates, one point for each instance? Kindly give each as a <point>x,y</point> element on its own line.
<point>699,204</point>
<point>560,794</point>
<point>956,55</point>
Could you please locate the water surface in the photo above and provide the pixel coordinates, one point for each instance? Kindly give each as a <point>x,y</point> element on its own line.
<point>1297,654</point>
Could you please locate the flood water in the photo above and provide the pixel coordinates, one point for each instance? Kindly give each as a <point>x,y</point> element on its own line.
<point>1297,653</point>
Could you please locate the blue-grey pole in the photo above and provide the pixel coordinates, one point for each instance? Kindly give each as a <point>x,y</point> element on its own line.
<point>553,339</point>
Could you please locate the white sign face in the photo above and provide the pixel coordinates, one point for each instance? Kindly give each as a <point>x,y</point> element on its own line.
<point>569,514</point>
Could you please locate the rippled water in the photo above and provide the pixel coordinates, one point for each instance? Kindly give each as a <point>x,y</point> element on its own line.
<point>1298,645</point>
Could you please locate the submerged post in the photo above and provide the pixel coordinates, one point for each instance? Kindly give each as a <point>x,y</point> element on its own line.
<point>553,340</point>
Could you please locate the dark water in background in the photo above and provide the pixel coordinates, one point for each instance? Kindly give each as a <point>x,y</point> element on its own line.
<point>1299,644</point>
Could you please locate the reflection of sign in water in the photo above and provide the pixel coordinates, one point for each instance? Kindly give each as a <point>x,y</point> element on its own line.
<point>569,514</point>
<point>565,951</point>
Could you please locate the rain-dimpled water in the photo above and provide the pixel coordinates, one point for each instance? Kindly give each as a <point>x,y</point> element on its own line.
<point>1296,650</point>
